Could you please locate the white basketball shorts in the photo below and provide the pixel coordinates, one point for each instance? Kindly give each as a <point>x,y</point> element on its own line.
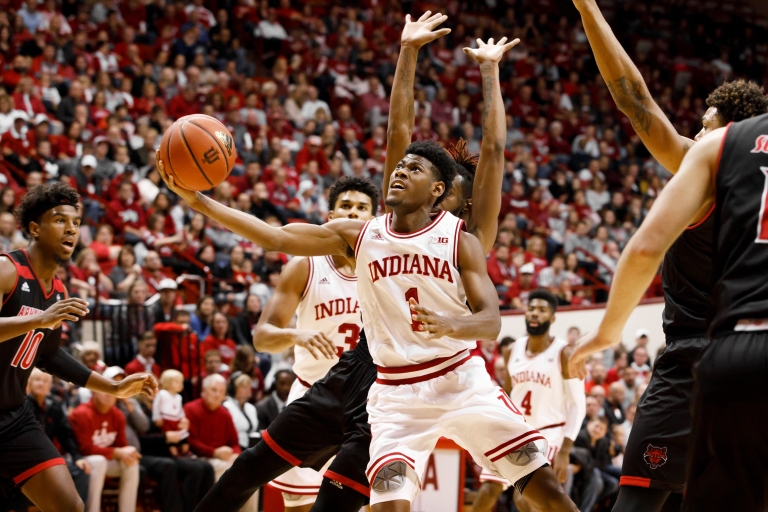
<point>463,405</point>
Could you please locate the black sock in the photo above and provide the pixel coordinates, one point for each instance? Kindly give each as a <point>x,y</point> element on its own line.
<point>332,499</point>
<point>640,499</point>
<point>254,468</point>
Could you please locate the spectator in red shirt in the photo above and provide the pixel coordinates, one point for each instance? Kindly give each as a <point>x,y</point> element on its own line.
<point>99,429</point>
<point>517,295</point>
<point>218,339</point>
<point>184,104</point>
<point>442,109</point>
<point>212,433</point>
<point>344,121</point>
<point>280,193</point>
<point>617,370</point>
<point>312,152</point>
<point>524,108</point>
<point>145,359</point>
<point>181,346</point>
<point>498,269</point>
<point>125,215</point>
<point>486,349</point>
<point>152,272</point>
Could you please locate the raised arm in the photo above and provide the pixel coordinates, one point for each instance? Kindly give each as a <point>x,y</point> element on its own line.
<point>335,238</point>
<point>629,90</point>
<point>485,322</point>
<point>682,200</point>
<point>271,333</point>
<point>486,191</point>
<point>401,112</point>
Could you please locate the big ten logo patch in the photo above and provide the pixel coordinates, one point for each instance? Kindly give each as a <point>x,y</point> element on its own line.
<point>440,240</point>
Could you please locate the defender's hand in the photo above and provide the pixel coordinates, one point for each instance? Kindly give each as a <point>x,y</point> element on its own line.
<point>577,361</point>
<point>318,344</point>
<point>68,309</point>
<point>135,384</point>
<point>189,196</point>
<point>418,33</point>
<point>560,465</point>
<point>437,326</point>
<point>490,51</point>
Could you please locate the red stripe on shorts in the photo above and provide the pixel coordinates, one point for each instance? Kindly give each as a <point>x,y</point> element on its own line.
<point>37,469</point>
<point>507,452</point>
<point>278,450</point>
<point>635,481</point>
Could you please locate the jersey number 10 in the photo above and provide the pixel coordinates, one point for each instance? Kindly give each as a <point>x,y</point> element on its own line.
<point>25,356</point>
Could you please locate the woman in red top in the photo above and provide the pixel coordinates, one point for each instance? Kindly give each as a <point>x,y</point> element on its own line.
<point>105,249</point>
<point>99,112</point>
<point>161,205</point>
<point>67,146</point>
<point>218,339</point>
<point>194,234</point>
<point>87,277</point>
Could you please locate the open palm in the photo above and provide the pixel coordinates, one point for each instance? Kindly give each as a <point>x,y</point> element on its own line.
<point>490,51</point>
<point>418,33</point>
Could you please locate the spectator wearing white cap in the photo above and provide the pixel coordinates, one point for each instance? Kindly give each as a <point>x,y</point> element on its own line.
<point>517,295</point>
<point>162,310</point>
<point>641,340</point>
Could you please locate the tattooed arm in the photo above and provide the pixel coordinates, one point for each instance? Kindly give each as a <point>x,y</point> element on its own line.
<point>486,191</point>
<point>629,90</point>
<point>401,115</point>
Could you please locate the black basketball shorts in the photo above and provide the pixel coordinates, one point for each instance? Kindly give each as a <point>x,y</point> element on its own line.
<point>657,448</point>
<point>728,459</point>
<point>330,419</point>
<point>25,450</point>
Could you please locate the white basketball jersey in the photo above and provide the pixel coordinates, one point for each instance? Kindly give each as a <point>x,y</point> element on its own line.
<point>538,387</point>
<point>394,267</point>
<point>329,305</point>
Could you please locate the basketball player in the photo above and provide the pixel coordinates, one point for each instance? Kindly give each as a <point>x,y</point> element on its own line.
<point>727,468</point>
<point>663,420</point>
<point>34,303</point>
<point>340,398</point>
<point>540,385</point>
<point>322,290</point>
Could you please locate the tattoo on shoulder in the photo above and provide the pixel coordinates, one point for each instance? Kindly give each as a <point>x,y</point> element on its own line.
<point>631,98</point>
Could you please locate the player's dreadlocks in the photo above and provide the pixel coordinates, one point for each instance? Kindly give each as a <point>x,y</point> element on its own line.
<point>738,100</point>
<point>42,198</point>
<point>441,160</point>
<point>467,166</point>
<point>357,184</point>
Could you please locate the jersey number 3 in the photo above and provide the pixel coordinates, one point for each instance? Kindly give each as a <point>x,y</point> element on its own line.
<point>353,336</point>
<point>25,356</point>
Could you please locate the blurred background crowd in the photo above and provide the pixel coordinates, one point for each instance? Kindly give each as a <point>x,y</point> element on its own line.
<point>89,88</point>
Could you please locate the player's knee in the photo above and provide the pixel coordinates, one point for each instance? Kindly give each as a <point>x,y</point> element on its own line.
<point>395,481</point>
<point>491,490</point>
<point>71,503</point>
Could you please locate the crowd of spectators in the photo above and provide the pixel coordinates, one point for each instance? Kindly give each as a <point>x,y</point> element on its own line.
<point>89,88</point>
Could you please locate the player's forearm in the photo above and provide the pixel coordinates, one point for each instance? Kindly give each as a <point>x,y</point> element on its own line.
<point>490,166</point>
<point>401,111</point>
<point>483,325</point>
<point>274,340</point>
<point>12,327</point>
<point>96,382</point>
<point>567,445</point>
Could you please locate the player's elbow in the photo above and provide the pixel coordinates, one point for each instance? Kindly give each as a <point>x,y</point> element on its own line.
<point>645,247</point>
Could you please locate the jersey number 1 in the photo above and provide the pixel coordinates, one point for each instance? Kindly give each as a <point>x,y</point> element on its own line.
<point>413,293</point>
<point>25,356</point>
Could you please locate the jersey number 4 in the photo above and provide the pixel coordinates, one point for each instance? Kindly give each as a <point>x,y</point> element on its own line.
<point>25,356</point>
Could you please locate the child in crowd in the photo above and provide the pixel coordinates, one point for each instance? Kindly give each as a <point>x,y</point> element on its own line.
<point>167,410</point>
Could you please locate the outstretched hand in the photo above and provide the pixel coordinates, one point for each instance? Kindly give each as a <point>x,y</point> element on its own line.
<point>189,196</point>
<point>137,383</point>
<point>418,33</point>
<point>490,51</point>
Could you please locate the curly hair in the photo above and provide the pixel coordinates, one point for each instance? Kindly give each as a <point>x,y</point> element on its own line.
<point>356,184</point>
<point>42,198</point>
<point>738,100</point>
<point>544,294</point>
<point>445,167</point>
<point>467,165</point>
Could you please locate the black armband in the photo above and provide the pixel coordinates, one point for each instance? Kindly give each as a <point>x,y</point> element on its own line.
<point>61,364</point>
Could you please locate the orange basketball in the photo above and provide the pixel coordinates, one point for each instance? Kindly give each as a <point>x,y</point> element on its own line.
<point>198,151</point>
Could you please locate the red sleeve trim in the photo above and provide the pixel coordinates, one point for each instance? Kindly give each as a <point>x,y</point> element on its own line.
<point>16,282</point>
<point>38,469</point>
<point>309,277</point>
<point>460,226</point>
<point>360,235</point>
<point>700,222</point>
